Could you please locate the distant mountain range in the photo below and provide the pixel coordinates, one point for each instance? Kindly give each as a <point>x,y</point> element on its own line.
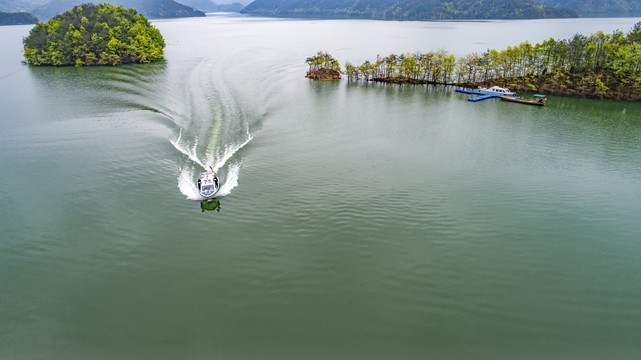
<point>210,6</point>
<point>46,9</point>
<point>409,9</point>
<point>599,8</point>
<point>17,18</point>
<point>20,5</point>
<point>152,9</point>
<point>367,9</point>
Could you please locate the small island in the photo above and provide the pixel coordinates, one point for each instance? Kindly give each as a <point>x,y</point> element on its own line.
<point>323,66</point>
<point>90,34</point>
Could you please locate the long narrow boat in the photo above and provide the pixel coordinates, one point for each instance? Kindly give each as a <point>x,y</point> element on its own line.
<point>538,102</point>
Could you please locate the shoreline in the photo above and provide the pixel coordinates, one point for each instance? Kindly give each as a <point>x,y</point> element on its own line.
<point>602,85</point>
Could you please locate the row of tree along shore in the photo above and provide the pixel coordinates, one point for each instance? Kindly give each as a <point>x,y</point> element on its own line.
<point>598,66</point>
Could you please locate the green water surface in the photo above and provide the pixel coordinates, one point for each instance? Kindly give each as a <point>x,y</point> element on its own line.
<point>360,221</point>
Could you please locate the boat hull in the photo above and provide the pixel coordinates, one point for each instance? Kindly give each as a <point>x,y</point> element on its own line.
<point>523,101</point>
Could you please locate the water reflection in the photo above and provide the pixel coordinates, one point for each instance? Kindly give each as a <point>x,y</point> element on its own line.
<point>210,205</point>
<point>101,89</point>
<point>61,76</point>
<point>324,87</point>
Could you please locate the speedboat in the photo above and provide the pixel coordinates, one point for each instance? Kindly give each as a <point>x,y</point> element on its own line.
<point>497,90</point>
<point>208,183</point>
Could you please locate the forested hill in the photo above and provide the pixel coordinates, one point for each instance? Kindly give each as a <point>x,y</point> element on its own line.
<point>599,8</point>
<point>90,34</point>
<point>408,9</point>
<point>17,18</point>
<point>153,9</point>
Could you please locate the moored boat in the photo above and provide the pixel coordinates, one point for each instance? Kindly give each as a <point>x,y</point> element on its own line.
<point>208,184</point>
<point>497,90</point>
<point>540,101</point>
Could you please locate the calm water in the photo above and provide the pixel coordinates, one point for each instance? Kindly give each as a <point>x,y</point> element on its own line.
<point>359,221</point>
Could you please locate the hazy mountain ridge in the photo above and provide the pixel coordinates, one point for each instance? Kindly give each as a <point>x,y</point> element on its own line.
<point>152,9</point>
<point>210,6</point>
<point>17,18</point>
<point>20,5</point>
<point>45,9</point>
<point>409,9</point>
<point>599,8</point>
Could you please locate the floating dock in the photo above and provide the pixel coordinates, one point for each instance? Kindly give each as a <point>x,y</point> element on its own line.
<point>483,96</point>
<point>473,92</point>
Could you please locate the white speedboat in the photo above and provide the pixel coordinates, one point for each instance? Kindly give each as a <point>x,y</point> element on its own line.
<point>208,184</point>
<point>497,90</point>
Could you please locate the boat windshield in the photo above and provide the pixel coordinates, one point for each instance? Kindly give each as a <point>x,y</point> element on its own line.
<point>208,188</point>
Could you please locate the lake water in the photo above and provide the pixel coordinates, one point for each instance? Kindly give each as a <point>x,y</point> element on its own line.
<point>359,221</point>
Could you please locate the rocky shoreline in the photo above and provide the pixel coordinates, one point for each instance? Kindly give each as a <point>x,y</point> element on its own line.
<point>324,74</point>
<point>602,85</point>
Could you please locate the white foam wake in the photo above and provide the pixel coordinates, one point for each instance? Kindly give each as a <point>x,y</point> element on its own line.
<point>187,185</point>
<point>190,152</point>
<point>187,174</point>
<point>231,181</point>
<point>229,152</point>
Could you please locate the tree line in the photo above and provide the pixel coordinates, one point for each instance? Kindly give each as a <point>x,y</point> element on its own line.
<point>90,34</point>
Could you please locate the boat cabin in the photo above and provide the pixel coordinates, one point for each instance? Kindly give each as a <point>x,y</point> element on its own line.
<point>497,90</point>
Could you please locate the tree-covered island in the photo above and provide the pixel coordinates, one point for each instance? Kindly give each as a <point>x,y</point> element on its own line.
<point>323,66</point>
<point>89,34</point>
<point>598,66</point>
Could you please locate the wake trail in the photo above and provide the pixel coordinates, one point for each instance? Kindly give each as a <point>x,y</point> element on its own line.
<point>212,126</point>
<point>190,152</point>
<point>231,151</point>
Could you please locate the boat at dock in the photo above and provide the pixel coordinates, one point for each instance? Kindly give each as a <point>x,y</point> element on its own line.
<point>540,100</point>
<point>482,95</point>
<point>485,93</point>
<point>497,90</point>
